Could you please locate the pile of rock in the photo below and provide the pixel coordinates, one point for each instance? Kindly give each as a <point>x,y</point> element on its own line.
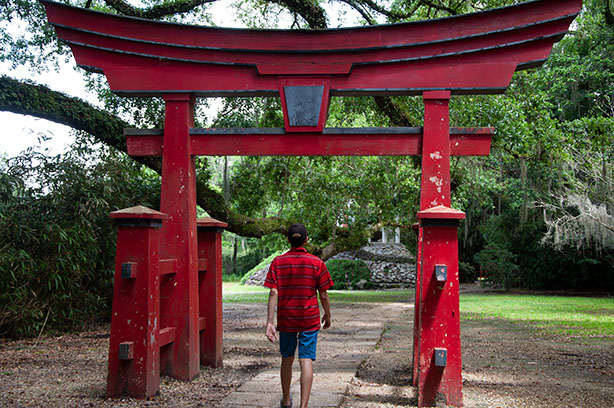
<point>391,265</point>
<point>258,277</point>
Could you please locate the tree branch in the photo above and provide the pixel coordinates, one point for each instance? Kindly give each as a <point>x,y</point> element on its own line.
<point>440,7</point>
<point>356,5</point>
<point>157,11</point>
<point>392,15</point>
<point>27,98</point>
<point>39,101</point>
<point>311,11</point>
<point>397,115</point>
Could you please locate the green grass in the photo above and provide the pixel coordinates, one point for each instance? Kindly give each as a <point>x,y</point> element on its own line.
<point>236,293</point>
<point>371,296</point>
<point>231,278</point>
<point>559,315</point>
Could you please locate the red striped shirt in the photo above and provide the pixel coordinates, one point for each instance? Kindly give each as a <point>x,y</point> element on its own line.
<point>297,275</point>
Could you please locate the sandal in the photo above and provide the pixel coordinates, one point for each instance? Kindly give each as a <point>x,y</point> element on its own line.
<point>281,403</point>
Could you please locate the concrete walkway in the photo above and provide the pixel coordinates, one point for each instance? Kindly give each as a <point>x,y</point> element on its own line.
<point>352,338</point>
<point>332,375</point>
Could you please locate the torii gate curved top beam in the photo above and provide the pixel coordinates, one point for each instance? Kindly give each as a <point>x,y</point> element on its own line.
<point>468,54</point>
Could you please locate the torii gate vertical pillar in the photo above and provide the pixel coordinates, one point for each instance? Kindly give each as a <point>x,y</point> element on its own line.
<point>437,348</point>
<point>179,291</point>
<point>210,291</point>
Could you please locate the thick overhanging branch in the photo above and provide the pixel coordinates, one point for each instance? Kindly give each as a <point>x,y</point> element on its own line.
<point>39,101</point>
<point>36,100</point>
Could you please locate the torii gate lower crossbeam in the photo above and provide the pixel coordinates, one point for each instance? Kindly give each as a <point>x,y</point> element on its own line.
<point>401,141</point>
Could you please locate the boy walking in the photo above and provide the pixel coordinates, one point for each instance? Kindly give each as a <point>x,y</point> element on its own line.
<point>294,279</point>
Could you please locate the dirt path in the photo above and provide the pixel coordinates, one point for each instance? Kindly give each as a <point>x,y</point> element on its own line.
<point>504,365</point>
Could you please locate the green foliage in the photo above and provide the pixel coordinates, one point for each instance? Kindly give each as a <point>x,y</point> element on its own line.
<point>498,263</point>
<point>265,262</point>
<point>539,209</point>
<point>346,273</point>
<point>244,261</point>
<point>466,272</point>
<point>231,278</point>
<point>331,196</point>
<point>57,243</point>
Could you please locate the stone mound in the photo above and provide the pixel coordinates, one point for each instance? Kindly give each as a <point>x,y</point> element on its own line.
<point>258,277</point>
<point>391,265</point>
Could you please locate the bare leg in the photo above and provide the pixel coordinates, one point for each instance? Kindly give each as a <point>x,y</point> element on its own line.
<point>306,380</point>
<point>286,378</point>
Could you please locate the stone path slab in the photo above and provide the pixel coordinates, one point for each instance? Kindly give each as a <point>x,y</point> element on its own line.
<point>341,350</point>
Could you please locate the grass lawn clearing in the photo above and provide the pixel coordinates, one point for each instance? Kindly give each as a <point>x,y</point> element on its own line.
<point>560,315</point>
<point>233,292</point>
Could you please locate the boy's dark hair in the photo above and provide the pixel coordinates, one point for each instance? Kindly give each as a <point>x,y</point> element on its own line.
<point>297,234</point>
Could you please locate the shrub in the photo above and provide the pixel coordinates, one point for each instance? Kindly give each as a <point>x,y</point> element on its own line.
<point>245,262</point>
<point>499,264</point>
<point>346,273</point>
<point>466,272</point>
<point>231,278</point>
<point>57,243</point>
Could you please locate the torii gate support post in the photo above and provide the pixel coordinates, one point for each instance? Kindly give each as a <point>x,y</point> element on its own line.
<point>179,291</point>
<point>417,297</point>
<point>440,362</point>
<point>437,349</point>
<point>210,291</point>
<point>134,367</point>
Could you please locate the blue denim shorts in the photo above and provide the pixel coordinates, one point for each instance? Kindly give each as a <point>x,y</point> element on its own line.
<point>307,342</point>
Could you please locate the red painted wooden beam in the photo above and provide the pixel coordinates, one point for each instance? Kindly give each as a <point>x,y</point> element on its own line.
<point>310,41</point>
<point>166,336</point>
<point>332,142</point>
<point>209,233</point>
<point>473,53</point>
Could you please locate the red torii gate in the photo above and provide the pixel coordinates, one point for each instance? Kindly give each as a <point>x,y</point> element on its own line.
<point>469,54</point>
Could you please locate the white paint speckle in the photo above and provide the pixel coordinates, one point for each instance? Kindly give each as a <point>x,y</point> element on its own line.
<point>436,155</point>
